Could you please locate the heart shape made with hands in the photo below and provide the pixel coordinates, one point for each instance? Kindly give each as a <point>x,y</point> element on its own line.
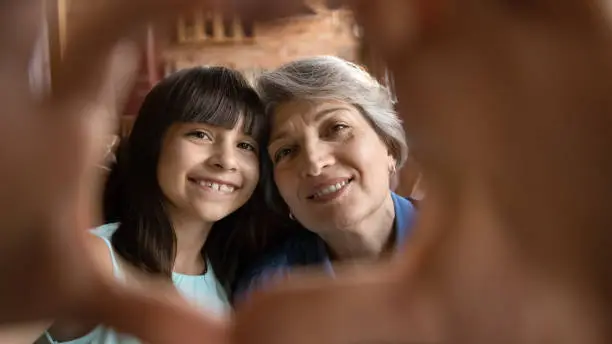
<point>508,109</point>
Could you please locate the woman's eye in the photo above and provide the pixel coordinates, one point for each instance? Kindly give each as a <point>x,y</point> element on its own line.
<point>281,153</point>
<point>336,131</point>
<point>200,135</point>
<point>339,127</point>
<point>247,146</point>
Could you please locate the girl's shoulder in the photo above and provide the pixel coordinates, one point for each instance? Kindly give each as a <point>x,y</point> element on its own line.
<point>102,248</point>
<point>105,231</point>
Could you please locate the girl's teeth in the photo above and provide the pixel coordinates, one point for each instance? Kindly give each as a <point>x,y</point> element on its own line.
<point>226,188</point>
<point>217,187</point>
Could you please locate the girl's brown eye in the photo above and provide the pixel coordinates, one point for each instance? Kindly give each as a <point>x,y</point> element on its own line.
<point>246,146</point>
<point>200,135</point>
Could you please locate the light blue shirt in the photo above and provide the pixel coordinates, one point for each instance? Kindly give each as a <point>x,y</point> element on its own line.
<point>204,290</point>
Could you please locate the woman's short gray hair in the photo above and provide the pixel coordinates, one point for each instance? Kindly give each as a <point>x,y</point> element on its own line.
<point>332,78</point>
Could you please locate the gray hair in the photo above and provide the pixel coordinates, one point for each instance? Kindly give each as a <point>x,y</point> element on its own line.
<point>332,78</point>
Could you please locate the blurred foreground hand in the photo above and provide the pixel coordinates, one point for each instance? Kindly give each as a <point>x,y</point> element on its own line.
<point>50,192</point>
<point>508,108</point>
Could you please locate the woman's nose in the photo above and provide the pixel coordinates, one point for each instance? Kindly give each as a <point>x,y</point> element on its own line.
<point>316,157</point>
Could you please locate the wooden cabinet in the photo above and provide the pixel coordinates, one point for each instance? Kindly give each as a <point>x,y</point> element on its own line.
<point>203,26</point>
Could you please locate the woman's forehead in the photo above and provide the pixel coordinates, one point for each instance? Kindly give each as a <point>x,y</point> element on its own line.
<point>307,110</point>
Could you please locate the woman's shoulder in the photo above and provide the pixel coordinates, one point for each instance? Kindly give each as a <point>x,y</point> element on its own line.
<point>299,248</point>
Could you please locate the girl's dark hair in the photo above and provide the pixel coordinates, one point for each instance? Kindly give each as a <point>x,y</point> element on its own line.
<point>133,197</point>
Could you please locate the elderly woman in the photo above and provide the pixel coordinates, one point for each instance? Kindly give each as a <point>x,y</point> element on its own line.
<point>335,143</point>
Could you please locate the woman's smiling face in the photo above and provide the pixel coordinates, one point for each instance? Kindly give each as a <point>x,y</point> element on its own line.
<point>330,166</point>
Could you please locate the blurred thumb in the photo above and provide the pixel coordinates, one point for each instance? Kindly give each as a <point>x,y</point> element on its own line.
<point>115,89</point>
<point>158,316</point>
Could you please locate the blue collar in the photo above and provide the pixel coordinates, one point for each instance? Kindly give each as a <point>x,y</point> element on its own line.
<point>405,214</point>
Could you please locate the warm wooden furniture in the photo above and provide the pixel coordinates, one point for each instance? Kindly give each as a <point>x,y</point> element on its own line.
<point>202,26</point>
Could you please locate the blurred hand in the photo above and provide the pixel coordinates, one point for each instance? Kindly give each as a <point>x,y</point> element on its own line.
<point>508,107</point>
<point>50,192</point>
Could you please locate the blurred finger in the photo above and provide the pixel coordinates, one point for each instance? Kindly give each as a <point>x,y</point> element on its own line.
<point>158,316</point>
<point>59,209</point>
<point>78,126</point>
<point>16,49</point>
<point>101,116</point>
<point>394,26</point>
<point>319,310</point>
<point>101,120</point>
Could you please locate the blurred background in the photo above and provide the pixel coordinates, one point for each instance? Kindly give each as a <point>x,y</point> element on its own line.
<point>202,38</point>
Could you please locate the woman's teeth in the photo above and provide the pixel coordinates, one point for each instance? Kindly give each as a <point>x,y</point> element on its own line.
<point>331,189</point>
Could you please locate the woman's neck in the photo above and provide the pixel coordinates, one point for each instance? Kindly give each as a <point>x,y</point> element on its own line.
<point>367,239</point>
<point>191,234</point>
